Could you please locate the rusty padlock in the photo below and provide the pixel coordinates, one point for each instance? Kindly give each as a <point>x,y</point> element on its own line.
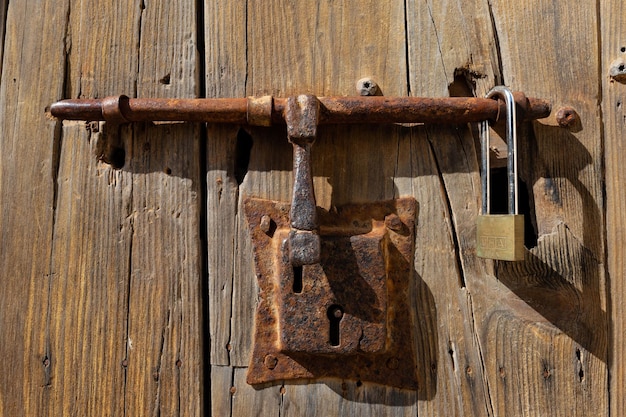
<point>500,236</point>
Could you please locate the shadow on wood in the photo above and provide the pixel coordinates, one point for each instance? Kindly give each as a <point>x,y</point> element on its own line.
<point>562,279</point>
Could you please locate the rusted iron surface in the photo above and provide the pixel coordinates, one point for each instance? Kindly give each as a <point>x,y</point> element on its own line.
<point>303,214</point>
<point>333,110</point>
<point>302,115</point>
<point>259,111</point>
<point>361,286</point>
<point>351,277</point>
<point>568,118</point>
<point>216,110</point>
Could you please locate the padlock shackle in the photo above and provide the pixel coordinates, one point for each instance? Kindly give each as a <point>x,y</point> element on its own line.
<point>485,167</point>
<point>511,139</point>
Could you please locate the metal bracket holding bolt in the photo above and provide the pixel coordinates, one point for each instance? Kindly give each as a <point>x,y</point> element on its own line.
<point>333,285</point>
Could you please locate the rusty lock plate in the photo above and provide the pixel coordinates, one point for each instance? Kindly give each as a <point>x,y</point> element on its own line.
<point>348,316</point>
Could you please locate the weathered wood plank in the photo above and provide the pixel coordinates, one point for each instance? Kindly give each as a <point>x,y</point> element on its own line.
<point>221,394</point>
<point>247,401</point>
<point>292,48</point>
<point>448,347</point>
<point>523,297</point>
<point>613,53</point>
<point>226,74</point>
<point>453,41</point>
<point>563,278</point>
<point>346,398</point>
<point>490,300</point>
<point>131,270</point>
<point>93,230</point>
<point>165,366</point>
<point>28,172</point>
<point>89,291</point>
<point>449,54</point>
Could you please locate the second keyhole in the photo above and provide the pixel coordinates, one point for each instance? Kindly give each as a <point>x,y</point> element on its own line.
<point>335,314</point>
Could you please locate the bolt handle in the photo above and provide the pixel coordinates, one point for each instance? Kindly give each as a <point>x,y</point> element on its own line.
<point>302,117</point>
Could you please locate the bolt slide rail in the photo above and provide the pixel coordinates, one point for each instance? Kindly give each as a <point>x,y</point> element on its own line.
<point>267,110</point>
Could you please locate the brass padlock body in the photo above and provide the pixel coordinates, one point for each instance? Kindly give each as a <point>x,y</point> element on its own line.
<point>501,237</point>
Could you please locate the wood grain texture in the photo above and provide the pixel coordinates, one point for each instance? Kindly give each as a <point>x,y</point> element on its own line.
<point>290,48</point>
<point>102,303</point>
<point>613,49</point>
<point>247,401</point>
<point>536,306</point>
<point>92,233</point>
<point>226,74</point>
<point>449,54</point>
<point>28,150</point>
<point>221,394</point>
<point>563,278</point>
<point>351,400</point>
<point>165,312</point>
<point>125,301</point>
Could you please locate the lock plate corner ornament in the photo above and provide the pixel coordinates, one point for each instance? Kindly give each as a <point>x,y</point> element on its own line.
<point>362,284</point>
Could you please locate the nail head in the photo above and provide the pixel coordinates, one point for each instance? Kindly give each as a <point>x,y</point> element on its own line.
<point>266,223</point>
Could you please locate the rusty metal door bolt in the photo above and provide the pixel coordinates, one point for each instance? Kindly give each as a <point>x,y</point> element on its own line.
<point>266,111</point>
<point>332,285</point>
<point>302,114</point>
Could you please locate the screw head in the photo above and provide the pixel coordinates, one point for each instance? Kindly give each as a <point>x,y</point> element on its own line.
<point>366,87</point>
<point>270,361</point>
<point>266,224</point>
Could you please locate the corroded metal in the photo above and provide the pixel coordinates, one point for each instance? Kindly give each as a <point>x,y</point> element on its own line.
<point>567,117</point>
<point>333,110</point>
<point>302,115</point>
<point>259,111</point>
<point>362,284</point>
<point>112,111</point>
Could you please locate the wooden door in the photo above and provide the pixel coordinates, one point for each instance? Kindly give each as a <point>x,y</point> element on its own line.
<point>128,285</point>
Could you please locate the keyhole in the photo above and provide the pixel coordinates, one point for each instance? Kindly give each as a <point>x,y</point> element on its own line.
<point>335,314</point>
<point>297,279</point>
